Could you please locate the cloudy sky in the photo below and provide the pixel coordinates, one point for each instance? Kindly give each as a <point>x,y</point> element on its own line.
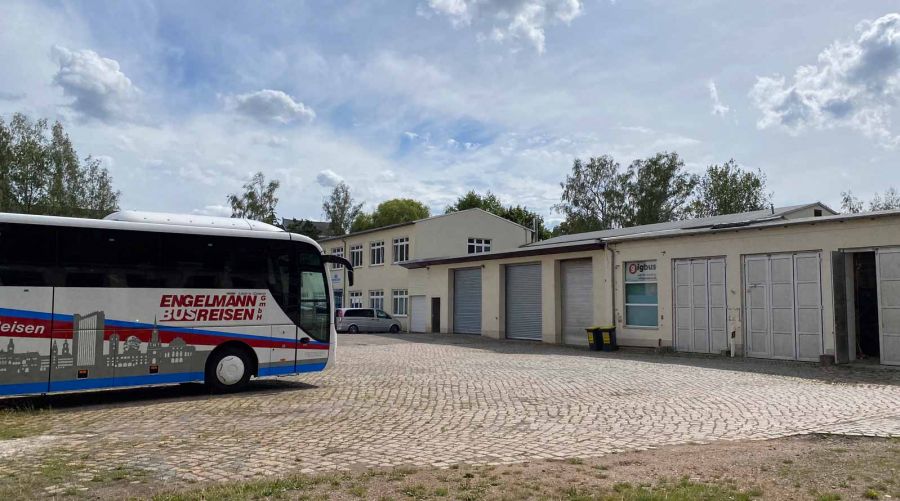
<point>427,99</point>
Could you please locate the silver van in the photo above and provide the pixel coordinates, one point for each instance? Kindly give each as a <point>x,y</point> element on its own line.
<point>355,320</point>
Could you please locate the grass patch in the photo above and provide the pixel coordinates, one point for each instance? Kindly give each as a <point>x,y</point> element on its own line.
<point>22,422</point>
<point>684,490</point>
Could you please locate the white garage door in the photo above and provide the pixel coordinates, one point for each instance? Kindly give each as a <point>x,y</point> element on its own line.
<point>467,301</point>
<point>700,312</point>
<point>418,314</point>
<point>784,306</point>
<point>577,290</point>
<point>523,301</point>
<point>889,304</point>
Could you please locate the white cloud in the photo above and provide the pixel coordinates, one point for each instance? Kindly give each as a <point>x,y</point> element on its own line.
<point>510,19</point>
<point>718,108</point>
<point>96,84</point>
<point>270,106</point>
<point>12,96</point>
<point>328,178</point>
<point>855,84</point>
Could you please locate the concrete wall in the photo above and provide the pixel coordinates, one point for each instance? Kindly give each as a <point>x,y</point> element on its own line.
<point>448,235</point>
<point>823,237</point>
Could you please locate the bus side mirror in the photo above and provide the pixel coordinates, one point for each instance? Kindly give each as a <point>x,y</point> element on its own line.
<point>330,258</point>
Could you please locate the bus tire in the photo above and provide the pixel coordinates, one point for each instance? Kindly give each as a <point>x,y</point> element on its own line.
<point>228,369</point>
<point>353,330</point>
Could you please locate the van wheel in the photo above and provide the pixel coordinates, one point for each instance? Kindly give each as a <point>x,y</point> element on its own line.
<point>395,329</point>
<point>227,370</point>
<point>353,329</point>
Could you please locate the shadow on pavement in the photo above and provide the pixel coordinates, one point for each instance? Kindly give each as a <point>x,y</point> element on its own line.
<point>838,374</point>
<point>145,395</point>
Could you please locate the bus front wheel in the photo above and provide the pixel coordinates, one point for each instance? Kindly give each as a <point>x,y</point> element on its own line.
<point>227,370</point>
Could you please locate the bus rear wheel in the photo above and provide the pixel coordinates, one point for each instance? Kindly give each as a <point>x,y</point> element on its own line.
<point>227,370</point>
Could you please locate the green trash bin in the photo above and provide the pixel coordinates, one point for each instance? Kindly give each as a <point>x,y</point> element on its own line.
<point>602,338</point>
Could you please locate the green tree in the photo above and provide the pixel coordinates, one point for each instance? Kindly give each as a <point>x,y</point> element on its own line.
<point>362,221</point>
<point>657,190</point>
<point>399,210</point>
<point>850,204</point>
<point>303,227</point>
<point>340,210</point>
<point>728,189</point>
<point>889,200</point>
<point>592,197</point>
<point>41,173</point>
<point>472,200</point>
<point>258,201</point>
<point>490,203</point>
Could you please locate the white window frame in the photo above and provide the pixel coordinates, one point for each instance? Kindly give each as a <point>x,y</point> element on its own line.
<point>337,251</point>
<point>356,299</point>
<point>478,245</point>
<point>400,248</point>
<point>356,251</point>
<point>625,283</point>
<point>400,302</point>
<point>376,250</point>
<point>376,295</point>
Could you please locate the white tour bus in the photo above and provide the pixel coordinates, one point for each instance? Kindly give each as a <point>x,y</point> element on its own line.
<point>146,298</point>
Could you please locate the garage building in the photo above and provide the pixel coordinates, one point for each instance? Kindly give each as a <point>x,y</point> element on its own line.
<point>795,283</point>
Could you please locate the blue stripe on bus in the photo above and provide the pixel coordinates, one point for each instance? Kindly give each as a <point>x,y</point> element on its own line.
<point>150,379</point>
<point>111,382</point>
<point>138,325</point>
<point>23,388</point>
<point>290,369</point>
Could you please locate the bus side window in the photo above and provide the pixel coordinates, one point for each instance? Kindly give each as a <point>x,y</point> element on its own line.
<point>282,279</point>
<point>27,255</point>
<point>194,261</point>
<point>93,257</point>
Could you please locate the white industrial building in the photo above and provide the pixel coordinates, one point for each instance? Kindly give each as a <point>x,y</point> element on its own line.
<point>794,283</point>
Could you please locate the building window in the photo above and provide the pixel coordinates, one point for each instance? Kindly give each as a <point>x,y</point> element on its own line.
<point>401,249</point>
<point>400,302</point>
<point>479,245</point>
<point>356,300</point>
<point>376,299</point>
<point>337,251</point>
<point>641,295</point>
<point>338,299</point>
<point>356,254</point>
<point>376,253</point>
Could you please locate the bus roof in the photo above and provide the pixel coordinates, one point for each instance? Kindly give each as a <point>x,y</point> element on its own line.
<point>166,223</point>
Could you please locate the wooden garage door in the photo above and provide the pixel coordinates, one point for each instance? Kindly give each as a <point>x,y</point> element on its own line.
<point>783,301</point>
<point>700,311</point>
<point>888,266</point>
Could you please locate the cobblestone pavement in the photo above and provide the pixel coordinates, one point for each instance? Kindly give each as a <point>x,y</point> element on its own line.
<point>439,400</point>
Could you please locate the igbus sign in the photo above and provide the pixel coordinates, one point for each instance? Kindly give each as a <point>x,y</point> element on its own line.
<point>640,271</point>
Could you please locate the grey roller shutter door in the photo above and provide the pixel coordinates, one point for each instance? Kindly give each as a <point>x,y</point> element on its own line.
<point>888,269</point>
<point>577,290</point>
<point>523,301</point>
<point>467,301</point>
<point>418,314</point>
